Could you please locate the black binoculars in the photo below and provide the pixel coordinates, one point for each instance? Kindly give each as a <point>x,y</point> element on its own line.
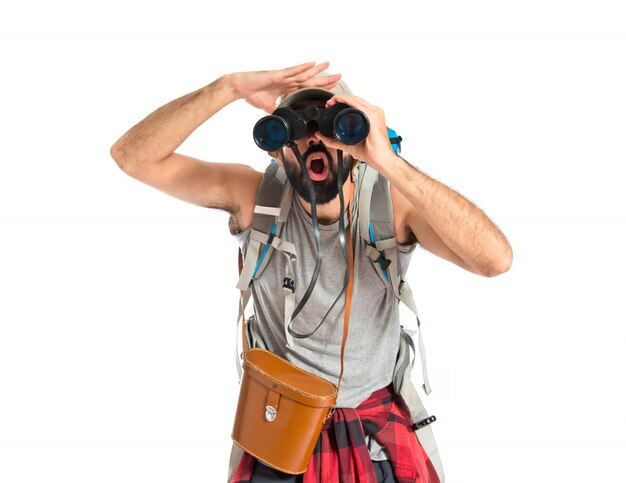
<point>346,124</point>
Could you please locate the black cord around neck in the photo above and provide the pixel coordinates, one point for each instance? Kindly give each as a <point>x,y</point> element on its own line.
<point>318,241</point>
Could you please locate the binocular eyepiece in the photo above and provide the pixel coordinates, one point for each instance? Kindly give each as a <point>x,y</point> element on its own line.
<point>346,124</point>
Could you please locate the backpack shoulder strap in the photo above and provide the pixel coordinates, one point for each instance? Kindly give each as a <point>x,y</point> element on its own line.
<point>270,213</point>
<point>273,201</point>
<point>376,227</point>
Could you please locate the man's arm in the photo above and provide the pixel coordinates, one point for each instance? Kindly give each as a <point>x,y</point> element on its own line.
<point>443,221</point>
<point>446,223</point>
<point>146,151</point>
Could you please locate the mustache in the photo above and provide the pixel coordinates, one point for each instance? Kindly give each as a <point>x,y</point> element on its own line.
<point>317,148</point>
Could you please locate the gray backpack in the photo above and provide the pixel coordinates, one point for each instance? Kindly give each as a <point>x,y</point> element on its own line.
<point>373,212</point>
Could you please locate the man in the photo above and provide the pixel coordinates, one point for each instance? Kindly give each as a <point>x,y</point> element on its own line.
<point>424,211</point>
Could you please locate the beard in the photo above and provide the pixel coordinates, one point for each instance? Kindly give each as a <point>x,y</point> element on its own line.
<point>325,190</point>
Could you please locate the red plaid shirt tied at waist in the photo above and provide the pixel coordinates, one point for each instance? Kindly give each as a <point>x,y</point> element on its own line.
<point>341,454</point>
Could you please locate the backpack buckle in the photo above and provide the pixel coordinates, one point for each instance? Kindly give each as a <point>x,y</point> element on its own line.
<point>384,263</point>
<point>289,283</point>
<point>423,423</point>
<point>396,140</point>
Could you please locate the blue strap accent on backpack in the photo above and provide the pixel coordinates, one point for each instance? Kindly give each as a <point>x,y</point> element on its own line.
<point>394,139</point>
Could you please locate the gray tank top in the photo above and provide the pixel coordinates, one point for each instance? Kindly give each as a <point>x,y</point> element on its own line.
<point>374,332</point>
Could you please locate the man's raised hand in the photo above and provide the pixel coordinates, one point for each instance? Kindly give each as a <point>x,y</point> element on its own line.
<point>261,89</point>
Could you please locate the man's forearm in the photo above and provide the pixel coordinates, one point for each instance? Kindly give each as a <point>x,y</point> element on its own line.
<point>159,134</point>
<point>461,225</point>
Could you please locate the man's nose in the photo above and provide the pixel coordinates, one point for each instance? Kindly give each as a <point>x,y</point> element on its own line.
<point>313,140</point>
<point>311,137</point>
<point>312,130</point>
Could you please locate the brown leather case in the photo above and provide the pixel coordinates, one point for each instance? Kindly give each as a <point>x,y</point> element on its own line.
<point>282,409</point>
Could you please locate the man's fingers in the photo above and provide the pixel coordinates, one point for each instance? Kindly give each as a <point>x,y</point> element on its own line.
<point>303,72</point>
<point>310,73</point>
<point>327,82</point>
<point>304,75</point>
<point>352,101</point>
<point>296,69</point>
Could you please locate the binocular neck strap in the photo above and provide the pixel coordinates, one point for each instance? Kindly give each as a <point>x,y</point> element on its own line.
<point>318,243</point>
<point>291,333</point>
<point>347,245</point>
<point>345,240</point>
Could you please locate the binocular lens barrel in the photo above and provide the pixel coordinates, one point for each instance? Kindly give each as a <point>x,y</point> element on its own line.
<point>271,133</point>
<point>351,126</point>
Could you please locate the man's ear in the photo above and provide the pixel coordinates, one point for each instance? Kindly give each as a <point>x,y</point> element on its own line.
<point>276,155</point>
<point>354,172</point>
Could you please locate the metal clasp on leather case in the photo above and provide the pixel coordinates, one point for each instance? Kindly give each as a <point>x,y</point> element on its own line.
<point>270,413</point>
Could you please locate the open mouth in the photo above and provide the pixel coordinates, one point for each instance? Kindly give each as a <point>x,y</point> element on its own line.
<point>317,166</point>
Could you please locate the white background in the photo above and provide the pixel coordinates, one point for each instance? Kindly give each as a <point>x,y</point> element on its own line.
<point>117,302</point>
